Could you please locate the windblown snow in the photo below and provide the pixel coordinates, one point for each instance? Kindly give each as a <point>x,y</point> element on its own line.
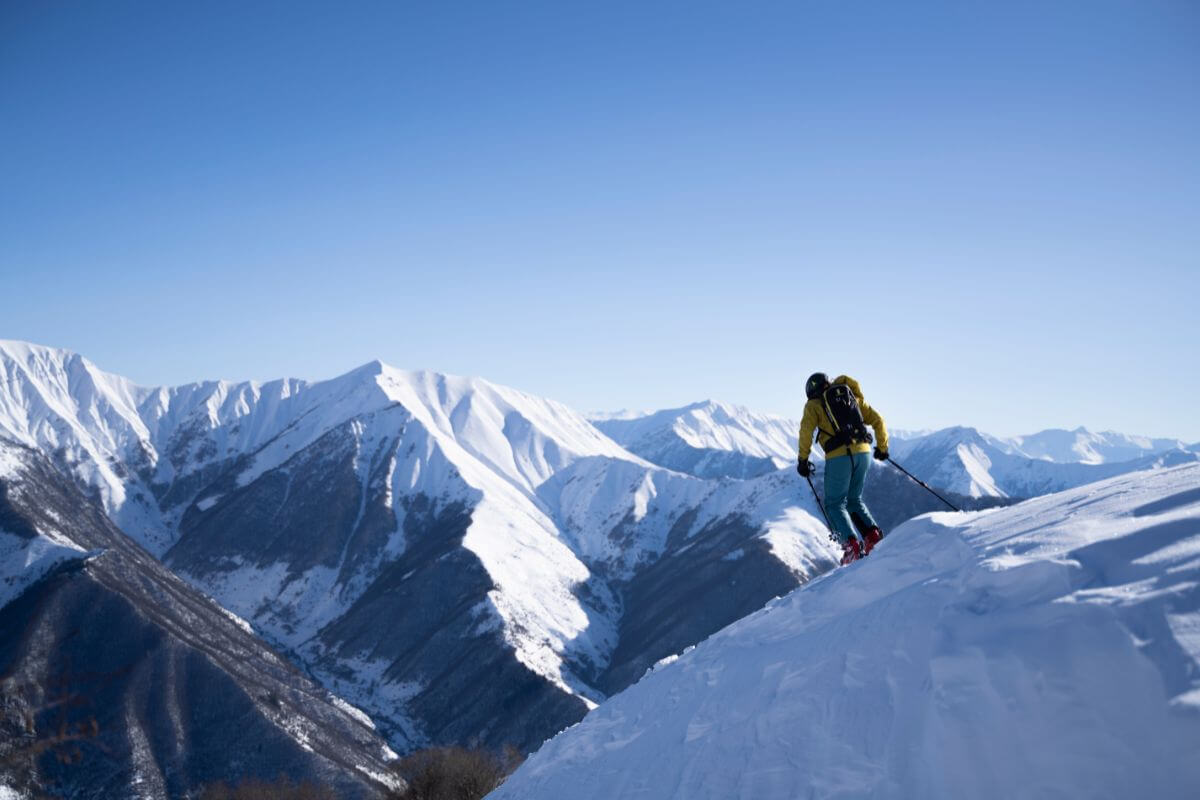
<point>1048,649</point>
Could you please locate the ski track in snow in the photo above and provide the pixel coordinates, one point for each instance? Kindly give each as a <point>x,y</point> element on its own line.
<point>1050,649</point>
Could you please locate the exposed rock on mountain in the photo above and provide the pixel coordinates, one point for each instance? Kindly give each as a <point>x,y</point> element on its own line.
<point>135,683</point>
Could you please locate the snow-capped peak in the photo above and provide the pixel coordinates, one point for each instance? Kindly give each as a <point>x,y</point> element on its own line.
<point>708,439</point>
<point>1085,447</point>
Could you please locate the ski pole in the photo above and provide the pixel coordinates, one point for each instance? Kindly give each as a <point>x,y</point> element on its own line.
<point>821,506</point>
<point>923,483</point>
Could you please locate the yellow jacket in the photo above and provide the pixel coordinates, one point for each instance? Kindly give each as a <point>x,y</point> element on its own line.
<point>816,420</point>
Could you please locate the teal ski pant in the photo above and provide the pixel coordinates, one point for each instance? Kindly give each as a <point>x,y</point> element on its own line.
<point>845,477</point>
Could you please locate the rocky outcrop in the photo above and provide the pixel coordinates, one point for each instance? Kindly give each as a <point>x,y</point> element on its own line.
<point>120,680</point>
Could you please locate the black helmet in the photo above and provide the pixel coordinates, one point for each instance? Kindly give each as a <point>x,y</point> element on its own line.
<point>815,384</point>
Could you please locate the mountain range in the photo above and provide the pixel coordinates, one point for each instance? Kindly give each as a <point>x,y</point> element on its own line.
<point>717,439</point>
<point>463,562</point>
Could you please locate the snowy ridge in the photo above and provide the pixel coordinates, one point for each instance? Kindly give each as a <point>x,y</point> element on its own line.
<point>1081,446</point>
<point>707,439</point>
<point>1048,649</point>
<point>710,439</point>
<point>975,464</point>
<point>459,440</point>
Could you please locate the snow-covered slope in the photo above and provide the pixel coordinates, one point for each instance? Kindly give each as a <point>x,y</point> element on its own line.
<point>707,439</point>
<point>1048,649</point>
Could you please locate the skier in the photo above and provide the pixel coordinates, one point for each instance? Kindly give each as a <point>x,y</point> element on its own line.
<point>838,414</point>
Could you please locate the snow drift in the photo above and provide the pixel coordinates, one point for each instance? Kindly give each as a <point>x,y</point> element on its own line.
<point>1049,649</point>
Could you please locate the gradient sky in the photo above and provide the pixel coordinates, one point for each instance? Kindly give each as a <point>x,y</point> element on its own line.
<point>987,212</point>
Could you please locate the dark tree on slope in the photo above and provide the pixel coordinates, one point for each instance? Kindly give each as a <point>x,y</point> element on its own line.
<point>24,740</point>
<point>454,773</point>
<point>256,789</point>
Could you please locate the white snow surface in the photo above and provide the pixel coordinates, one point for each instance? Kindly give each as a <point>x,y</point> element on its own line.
<point>1048,649</point>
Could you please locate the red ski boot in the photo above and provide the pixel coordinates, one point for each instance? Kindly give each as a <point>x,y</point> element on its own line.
<point>851,551</point>
<point>871,538</point>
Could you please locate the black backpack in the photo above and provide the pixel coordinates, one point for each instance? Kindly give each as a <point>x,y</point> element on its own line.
<point>841,406</point>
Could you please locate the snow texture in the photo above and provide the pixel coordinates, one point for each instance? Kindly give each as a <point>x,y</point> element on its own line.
<point>1048,649</point>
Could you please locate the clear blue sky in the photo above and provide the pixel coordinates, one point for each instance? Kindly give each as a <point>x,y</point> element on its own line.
<point>988,212</point>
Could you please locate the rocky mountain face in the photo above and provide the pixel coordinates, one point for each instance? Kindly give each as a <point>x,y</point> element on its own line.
<point>118,679</point>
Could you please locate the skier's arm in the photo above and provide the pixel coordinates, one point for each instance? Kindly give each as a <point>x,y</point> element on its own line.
<point>872,418</point>
<point>808,424</point>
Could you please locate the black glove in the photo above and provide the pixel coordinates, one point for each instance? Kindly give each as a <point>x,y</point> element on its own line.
<point>804,467</point>
<point>881,455</point>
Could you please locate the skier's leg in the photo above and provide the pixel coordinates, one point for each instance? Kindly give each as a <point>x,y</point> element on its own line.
<point>837,488</point>
<point>854,501</point>
<point>868,529</point>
